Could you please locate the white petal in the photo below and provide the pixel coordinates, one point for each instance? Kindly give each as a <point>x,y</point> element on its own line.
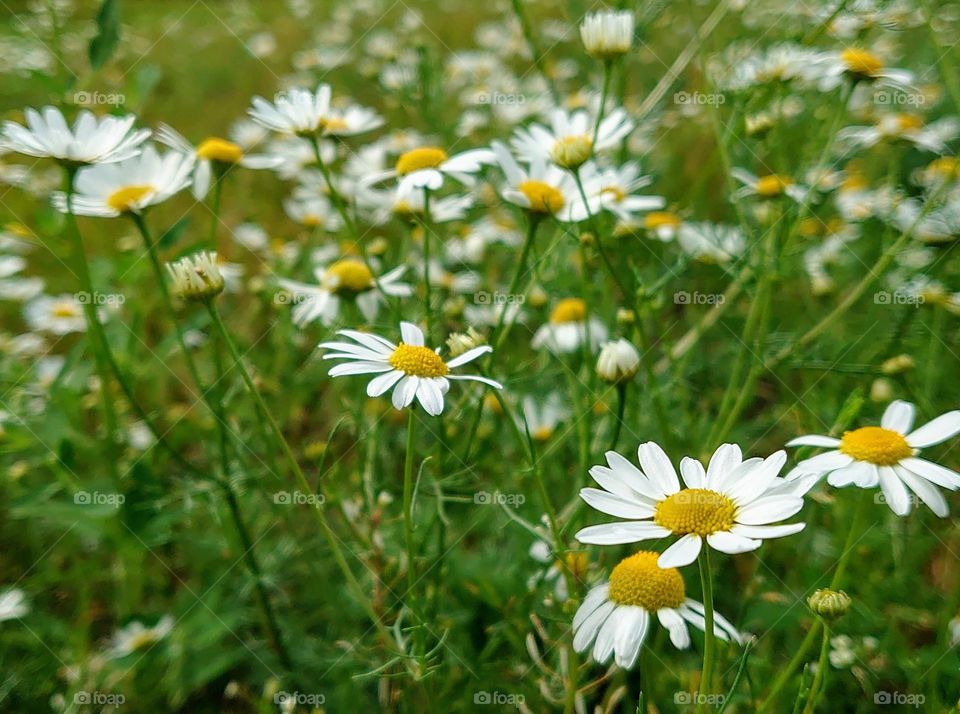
<point>617,533</point>
<point>827,461</point>
<point>769,510</point>
<point>411,334</point>
<point>757,480</point>
<point>591,625</point>
<point>607,636</point>
<point>469,355</point>
<point>656,465</point>
<point>594,599</point>
<point>894,491</point>
<point>926,491</point>
<point>899,416</point>
<point>935,473</point>
<point>731,543</point>
<point>679,634</point>
<point>681,553</point>
<point>382,383</point>
<point>616,505</point>
<point>634,477</point>
<point>861,473</point>
<point>814,440</point>
<point>359,368</point>
<point>692,472</point>
<point>632,631</point>
<point>763,532</point>
<point>726,458</point>
<point>933,432</point>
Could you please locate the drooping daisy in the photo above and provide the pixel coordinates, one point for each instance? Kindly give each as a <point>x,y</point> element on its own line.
<point>412,370</point>
<point>902,127</point>
<point>59,315</point>
<point>129,186</point>
<point>351,121</point>
<point>543,417</point>
<point>569,326</point>
<point>731,504</point>
<point>711,242</point>
<point>344,279</point>
<point>425,167</point>
<point>887,455</point>
<point>293,111</point>
<point>543,189</point>
<point>662,224</point>
<point>615,616</point>
<point>858,65</point>
<point>213,156</point>
<point>136,637</point>
<point>91,140</point>
<point>607,34</point>
<point>769,186</point>
<point>569,142</point>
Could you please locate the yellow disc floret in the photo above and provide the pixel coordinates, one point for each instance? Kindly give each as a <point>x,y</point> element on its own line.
<point>638,581</point>
<point>125,199</point>
<point>569,310</point>
<point>876,445</point>
<point>660,219</point>
<point>571,152</point>
<point>426,157</point>
<point>861,62</point>
<point>214,149</point>
<point>772,185</point>
<point>418,361</point>
<point>695,510</point>
<point>543,197</point>
<point>349,275</point>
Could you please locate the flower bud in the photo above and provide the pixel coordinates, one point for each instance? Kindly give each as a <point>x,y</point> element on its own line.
<point>607,34</point>
<point>196,277</point>
<point>618,362</point>
<point>829,604</point>
<point>460,342</point>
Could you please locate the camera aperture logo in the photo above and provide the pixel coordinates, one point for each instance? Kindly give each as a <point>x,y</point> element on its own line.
<point>485,498</point>
<point>298,498</point>
<point>301,699</point>
<point>98,498</point>
<point>498,699</point>
<point>482,297</point>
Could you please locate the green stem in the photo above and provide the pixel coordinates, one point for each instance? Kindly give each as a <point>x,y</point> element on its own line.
<point>503,328</point>
<point>408,504</point>
<point>709,640</point>
<point>217,194</point>
<point>820,677</point>
<point>607,72</point>
<point>621,408</point>
<point>534,49</point>
<point>427,287</point>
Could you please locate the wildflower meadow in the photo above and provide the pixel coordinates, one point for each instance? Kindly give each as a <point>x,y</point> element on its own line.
<point>441,356</point>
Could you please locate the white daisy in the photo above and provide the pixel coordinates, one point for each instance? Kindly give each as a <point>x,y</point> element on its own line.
<point>568,327</point>
<point>731,504</point>
<point>344,279</point>
<point>859,65</point>
<point>615,189</point>
<point>769,186</point>
<point>615,616</point>
<point>904,127</point>
<point>662,224</point>
<point>293,111</point>
<point>59,315</point>
<point>13,604</point>
<point>569,141</point>
<point>886,455</point>
<point>607,34</point>
<point>136,637</point>
<point>412,370</point>
<point>128,186</point>
<point>91,140</point>
<point>213,156</point>
<point>711,242</point>
<point>543,417</point>
<point>543,189</point>
<point>425,167</point>
<point>351,121</point>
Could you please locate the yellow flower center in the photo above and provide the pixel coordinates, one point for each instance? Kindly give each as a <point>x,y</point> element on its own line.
<point>876,445</point>
<point>639,582</point>
<point>141,639</point>
<point>615,192</point>
<point>945,166</point>
<point>418,361</point>
<point>543,197</point>
<point>349,275</point>
<point>214,149</point>
<point>772,185</point>
<point>908,122</point>
<point>695,510</point>
<point>426,157</point>
<point>861,62</point>
<point>660,219</point>
<point>125,199</point>
<point>569,310</point>
<point>64,310</point>
<point>572,151</point>
<point>542,433</point>
<point>334,125</point>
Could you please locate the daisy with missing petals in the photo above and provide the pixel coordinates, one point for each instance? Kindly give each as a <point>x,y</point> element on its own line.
<point>412,370</point>
<point>425,167</point>
<point>569,327</point>
<point>92,140</point>
<point>607,34</point>
<point>731,504</point>
<point>129,186</point>
<point>615,616</point>
<point>569,140</point>
<point>543,189</point>
<point>769,186</point>
<point>344,279</point>
<point>213,156</point>
<point>886,455</point>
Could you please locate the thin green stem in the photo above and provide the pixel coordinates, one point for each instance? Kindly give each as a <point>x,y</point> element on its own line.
<point>607,73</point>
<point>408,503</point>
<point>621,409</point>
<point>534,49</point>
<point>427,287</point>
<point>709,639</point>
<point>215,218</point>
<point>819,679</point>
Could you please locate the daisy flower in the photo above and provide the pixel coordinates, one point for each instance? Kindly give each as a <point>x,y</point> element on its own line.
<point>92,140</point>
<point>731,504</point>
<point>412,370</point>
<point>542,418</point>
<point>711,242</point>
<point>213,156</point>
<point>569,140</point>
<point>662,224</point>
<point>906,127</point>
<point>425,167</point>
<point>59,315</point>
<point>615,616</point>
<point>543,189</point>
<point>344,279</point>
<point>294,111</point>
<point>351,121</point>
<point>569,326</point>
<point>136,637</point>
<point>859,65</point>
<point>887,455</point>
<point>615,189</point>
<point>769,186</point>
<point>129,186</point>
<point>607,34</point>
<point>13,604</point>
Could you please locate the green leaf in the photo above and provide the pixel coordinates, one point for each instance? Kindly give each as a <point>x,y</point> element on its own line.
<point>108,34</point>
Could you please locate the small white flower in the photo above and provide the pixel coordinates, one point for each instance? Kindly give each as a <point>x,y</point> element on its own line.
<point>425,167</point>
<point>13,604</point>
<point>196,277</point>
<point>607,34</point>
<point>542,418</point>
<point>569,140</point>
<point>569,326</point>
<point>886,455</point>
<point>92,140</point>
<point>731,504</point>
<point>618,362</point>
<point>769,186</point>
<point>59,315</point>
<point>412,370</point>
<point>293,111</point>
<point>136,637</point>
<point>543,189</point>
